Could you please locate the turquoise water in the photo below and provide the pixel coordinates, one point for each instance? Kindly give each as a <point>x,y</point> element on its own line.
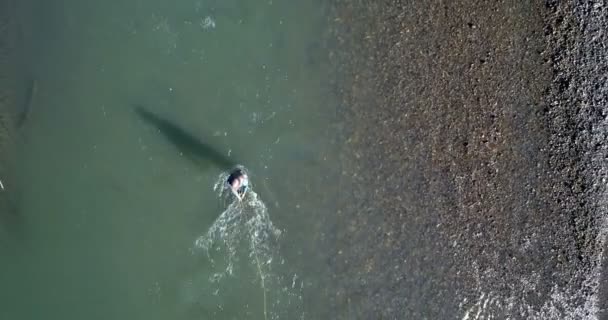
<point>116,215</point>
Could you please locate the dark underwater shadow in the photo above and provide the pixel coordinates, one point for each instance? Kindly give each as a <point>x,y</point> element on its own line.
<point>187,144</point>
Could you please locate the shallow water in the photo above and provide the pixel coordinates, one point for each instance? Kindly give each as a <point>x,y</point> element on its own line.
<point>113,210</point>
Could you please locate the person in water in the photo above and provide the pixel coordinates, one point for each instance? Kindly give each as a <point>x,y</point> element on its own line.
<point>238,183</point>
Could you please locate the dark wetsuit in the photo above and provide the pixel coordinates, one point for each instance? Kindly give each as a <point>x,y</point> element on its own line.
<point>234,176</point>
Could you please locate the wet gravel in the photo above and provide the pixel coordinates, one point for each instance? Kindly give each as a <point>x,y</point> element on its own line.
<point>474,163</point>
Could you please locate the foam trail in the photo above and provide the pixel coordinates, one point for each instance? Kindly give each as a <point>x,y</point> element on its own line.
<point>244,230</point>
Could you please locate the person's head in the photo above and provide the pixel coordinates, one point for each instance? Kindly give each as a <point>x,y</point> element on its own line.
<point>236,176</point>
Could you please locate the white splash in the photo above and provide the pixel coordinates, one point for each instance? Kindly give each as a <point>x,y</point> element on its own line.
<point>247,222</point>
<point>207,23</point>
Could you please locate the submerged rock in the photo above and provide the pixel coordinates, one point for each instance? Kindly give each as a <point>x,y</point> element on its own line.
<point>16,97</point>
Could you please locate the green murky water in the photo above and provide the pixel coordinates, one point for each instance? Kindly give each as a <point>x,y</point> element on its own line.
<point>116,218</point>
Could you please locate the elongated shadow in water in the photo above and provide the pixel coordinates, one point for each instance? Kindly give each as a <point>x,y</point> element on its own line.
<point>185,142</point>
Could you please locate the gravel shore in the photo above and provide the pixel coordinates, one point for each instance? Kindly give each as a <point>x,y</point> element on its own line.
<point>475,159</point>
